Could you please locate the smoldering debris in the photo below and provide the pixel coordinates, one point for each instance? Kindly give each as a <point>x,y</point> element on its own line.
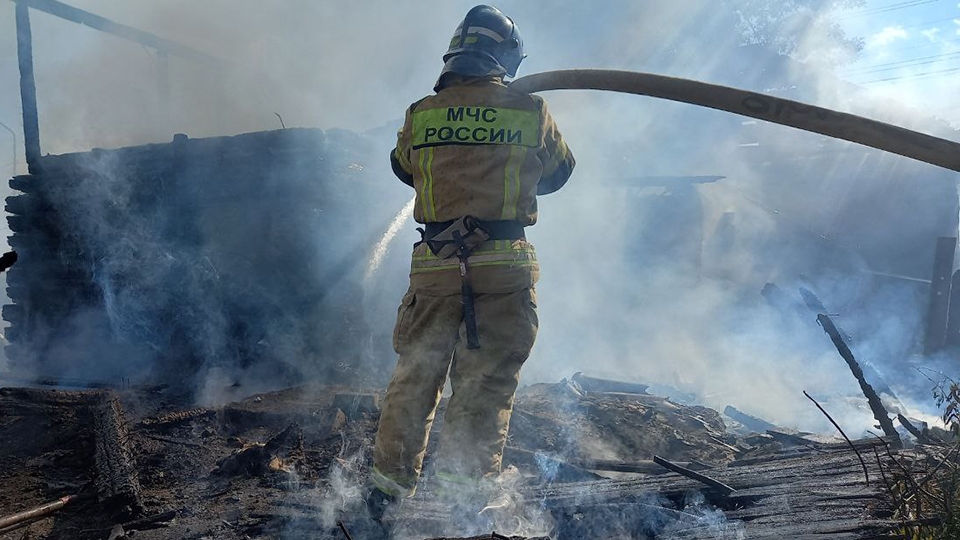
<point>292,463</point>
<point>201,263</point>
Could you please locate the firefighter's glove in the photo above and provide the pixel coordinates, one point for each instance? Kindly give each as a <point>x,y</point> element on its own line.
<point>460,238</point>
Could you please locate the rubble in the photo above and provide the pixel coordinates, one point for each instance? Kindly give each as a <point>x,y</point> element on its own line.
<point>290,464</point>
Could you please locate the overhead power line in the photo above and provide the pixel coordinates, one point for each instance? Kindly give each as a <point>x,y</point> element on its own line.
<point>886,9</point>
<point>901,64</point>
<point>913,75</point>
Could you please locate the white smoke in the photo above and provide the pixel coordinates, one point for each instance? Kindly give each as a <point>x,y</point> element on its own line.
<point>691,318</point>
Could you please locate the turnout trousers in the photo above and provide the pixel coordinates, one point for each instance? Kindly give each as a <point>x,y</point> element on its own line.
<point>430,339</point>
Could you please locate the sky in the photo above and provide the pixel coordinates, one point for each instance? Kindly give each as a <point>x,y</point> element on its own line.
<point>911,53</point>
<point>344,64</point>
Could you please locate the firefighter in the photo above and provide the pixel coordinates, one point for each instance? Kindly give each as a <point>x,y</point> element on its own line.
<point>477,153</point>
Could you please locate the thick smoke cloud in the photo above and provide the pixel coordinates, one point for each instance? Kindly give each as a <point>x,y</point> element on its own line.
<point>644,278</point>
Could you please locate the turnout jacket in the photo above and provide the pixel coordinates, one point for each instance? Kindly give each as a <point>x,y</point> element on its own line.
<point>478,148</point>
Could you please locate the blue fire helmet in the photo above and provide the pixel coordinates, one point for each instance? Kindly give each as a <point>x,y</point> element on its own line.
<point>486,43</point>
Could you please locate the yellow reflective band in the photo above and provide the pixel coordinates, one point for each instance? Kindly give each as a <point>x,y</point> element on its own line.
<point>389,485</point>
<point>423,187</point>
<point>476,125</point>
<point>511,182</point>
<point>520,263</point>
<point>478,254</point>
<point>512,258</point>
<point>425,162</point>
<point>431,204</point>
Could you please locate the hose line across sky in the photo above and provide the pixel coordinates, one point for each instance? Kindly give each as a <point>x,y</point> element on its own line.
<point>890,138</point>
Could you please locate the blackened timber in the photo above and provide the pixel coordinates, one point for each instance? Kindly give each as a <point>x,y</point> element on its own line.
<point>118,486</point>
<point>715,484</point>
<point>876,406</point>
<point>953,313</point>
<point>940,294</point>
<point>28,89</point>
<point>921,437</point>
<point>79,16</point>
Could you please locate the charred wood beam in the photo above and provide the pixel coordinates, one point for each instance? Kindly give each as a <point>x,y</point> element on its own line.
<point>79,16</point>
<point>28,89</point>
<point>921,436</point>
<point>939,306</point>
<point>876,406</point>
<point>719,486</point>
<point>816,306</point>
<point>118,486</point>
<point>639,467</point>
<point>177,417</point>
<point>953,313</point>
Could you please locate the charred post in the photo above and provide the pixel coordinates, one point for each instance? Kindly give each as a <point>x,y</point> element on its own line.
<point>953,314</point>
<point>876,406</point>
<point>118,486</point>
<point>940,294</point>
<point>28,88</point>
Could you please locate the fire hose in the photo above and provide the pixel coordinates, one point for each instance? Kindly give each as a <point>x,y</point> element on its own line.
<point>849,127</point>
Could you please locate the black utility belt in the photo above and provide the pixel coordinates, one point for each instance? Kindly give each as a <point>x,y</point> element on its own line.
<point>497,230</point>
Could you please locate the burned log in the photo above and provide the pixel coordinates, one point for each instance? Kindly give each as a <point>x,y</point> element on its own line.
<point>876,406</point>
<point>118,486</point>
<point>177,417</point>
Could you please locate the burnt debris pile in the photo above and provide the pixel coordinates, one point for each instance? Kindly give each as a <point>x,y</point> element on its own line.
<point>586,458</point>
<point>239,253</point>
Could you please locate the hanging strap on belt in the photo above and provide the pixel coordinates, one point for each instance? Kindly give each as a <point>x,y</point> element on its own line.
<point>460,237</point>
